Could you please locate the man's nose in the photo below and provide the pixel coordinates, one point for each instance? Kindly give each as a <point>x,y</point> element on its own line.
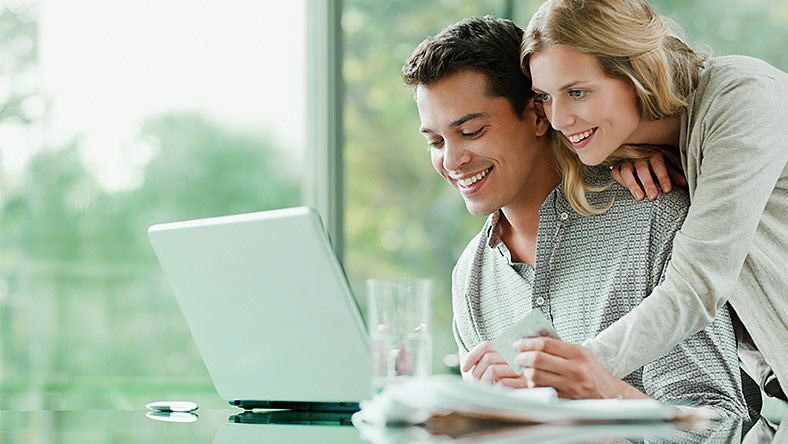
<point>454,156</point>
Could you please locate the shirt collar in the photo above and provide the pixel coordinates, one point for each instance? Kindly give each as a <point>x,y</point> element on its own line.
<point>555,200</point>
<point>494,229</point>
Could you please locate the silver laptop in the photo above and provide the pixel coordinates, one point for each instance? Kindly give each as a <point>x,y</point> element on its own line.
<point>269,308</point>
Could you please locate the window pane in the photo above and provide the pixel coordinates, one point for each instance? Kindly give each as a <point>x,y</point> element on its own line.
<point>118,115</point>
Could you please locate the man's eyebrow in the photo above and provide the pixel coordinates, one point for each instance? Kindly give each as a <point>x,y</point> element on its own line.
<point>466,118</point>
<point>457,122</point>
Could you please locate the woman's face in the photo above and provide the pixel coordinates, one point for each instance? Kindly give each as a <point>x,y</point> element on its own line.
<point>595,112</point>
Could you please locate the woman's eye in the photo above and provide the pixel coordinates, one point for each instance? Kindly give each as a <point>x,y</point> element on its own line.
<point>544,97</point>
<point>577,93</point>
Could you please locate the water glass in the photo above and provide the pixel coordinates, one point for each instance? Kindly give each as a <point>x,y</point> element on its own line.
<point>399,317</point>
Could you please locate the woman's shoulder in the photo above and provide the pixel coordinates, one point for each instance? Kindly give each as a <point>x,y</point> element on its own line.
<point>720,73</point>
<point>733,88</point>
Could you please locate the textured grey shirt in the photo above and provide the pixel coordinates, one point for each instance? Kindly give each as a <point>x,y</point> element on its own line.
<point>590,271</point>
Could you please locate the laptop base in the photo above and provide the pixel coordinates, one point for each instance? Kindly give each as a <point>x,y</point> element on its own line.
<point>293,417</point>
<point>298,405</point>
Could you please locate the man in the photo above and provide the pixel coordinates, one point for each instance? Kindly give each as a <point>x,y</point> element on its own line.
<point>490,141</point>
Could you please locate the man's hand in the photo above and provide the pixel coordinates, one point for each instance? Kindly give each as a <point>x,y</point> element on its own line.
<point>624,173</point>
<point>571,369</point>
<point>486,364</point>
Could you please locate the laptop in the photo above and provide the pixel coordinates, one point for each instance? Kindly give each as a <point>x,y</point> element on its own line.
<point>269,308</point>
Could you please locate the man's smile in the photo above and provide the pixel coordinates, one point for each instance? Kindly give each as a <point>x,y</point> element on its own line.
<point>470,180</point>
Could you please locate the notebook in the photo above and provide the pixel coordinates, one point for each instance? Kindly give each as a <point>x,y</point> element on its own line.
<point>269,308</point>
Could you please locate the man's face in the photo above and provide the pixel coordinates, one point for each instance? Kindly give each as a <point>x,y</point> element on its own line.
<point>479,145</point>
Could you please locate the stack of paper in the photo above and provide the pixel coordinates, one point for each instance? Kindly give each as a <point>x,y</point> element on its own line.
<point>417,400</point>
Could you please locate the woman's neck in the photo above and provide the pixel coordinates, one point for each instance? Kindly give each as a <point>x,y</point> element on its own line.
<point>665,132</point>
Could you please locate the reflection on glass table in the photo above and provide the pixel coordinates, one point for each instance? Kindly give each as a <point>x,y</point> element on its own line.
<point>233,426</point>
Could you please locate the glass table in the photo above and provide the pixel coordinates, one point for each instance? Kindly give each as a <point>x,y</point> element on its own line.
<point>225,426</point>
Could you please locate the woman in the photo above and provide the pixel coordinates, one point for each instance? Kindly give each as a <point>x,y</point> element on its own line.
<point>610,74</point>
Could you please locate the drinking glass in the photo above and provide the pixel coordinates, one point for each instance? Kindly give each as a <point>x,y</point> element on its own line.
<point>399,319</point>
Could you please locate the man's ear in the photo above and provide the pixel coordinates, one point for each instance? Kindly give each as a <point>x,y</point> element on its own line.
<point>542,124</point>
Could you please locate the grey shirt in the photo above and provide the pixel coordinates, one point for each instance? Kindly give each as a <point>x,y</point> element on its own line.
<point>590,271</point>
<point>734,243</point>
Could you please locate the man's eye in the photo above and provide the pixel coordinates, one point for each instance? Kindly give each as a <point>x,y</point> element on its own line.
<point>436,144</point>
<point>578,93</point>
<point>473,134</point>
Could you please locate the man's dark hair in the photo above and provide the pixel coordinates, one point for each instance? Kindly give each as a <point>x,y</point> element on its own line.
<point>486,45</point>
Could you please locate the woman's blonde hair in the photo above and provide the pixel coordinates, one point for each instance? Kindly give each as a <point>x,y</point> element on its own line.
<point>630,42</point>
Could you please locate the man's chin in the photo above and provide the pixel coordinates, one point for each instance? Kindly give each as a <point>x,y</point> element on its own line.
<point>477,209</point>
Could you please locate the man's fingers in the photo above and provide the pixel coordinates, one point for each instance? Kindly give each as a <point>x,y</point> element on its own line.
<point>495,373</point>
<point>489,359</point>
<point>644,174</point>
<point>475,355</point>
<point>518,382</point>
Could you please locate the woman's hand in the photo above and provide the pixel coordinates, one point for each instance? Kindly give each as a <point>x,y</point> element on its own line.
<point>571,369</point>
<point>646,169</point>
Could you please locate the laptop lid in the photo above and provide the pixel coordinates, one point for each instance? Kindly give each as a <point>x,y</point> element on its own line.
<point>268,306</point>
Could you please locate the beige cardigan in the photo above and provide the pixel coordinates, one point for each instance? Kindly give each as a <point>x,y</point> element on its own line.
<point>733,244</point>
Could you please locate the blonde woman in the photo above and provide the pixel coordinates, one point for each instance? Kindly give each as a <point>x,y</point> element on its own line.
<point>611,73</point>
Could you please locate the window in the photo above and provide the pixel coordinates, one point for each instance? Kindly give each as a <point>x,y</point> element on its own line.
<point>118,115</point>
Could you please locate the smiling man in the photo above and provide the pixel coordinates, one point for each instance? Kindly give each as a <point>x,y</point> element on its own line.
<point>492,144</point>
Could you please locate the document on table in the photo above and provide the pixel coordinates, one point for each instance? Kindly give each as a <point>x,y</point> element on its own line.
<point>417,400</point>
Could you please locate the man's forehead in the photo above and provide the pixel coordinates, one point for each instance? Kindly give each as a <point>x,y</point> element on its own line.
<point>451,99</point>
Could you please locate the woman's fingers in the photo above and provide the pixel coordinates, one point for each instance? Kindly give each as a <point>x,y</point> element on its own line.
<point>648,171</point>
<point>624,174</point>
<point>644,174</point>
<point>677,177</point>
<point>661,173</point>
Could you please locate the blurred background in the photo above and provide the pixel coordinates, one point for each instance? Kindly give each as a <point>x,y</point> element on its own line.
<point>115,115</point>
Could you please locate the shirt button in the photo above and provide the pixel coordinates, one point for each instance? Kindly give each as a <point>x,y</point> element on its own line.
<point>539,300</point>
<point>564,216</point>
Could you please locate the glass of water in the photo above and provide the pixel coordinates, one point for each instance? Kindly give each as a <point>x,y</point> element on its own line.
<point>399,318</point>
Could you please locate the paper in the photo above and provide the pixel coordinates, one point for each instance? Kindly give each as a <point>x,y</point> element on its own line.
<point>417,400</point>
<point>533,324</point>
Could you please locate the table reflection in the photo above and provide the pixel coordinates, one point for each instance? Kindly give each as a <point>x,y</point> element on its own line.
<point>234,426</point>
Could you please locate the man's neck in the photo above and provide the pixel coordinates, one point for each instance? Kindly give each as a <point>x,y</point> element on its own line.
<point>520,222</point>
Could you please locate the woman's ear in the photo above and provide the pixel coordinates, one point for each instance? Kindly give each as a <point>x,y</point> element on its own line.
<point>542,124</point>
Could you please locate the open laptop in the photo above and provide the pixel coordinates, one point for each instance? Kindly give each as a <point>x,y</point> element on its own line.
<point>270,309</point>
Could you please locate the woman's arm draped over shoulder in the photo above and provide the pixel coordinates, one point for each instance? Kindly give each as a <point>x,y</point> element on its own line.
<point>737,150</point>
